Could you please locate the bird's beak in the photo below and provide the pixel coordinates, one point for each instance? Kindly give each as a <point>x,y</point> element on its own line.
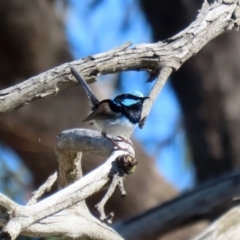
<point>145,98</point>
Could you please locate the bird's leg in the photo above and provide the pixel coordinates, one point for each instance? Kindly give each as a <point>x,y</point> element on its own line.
<point>126,140</point>
<point>115,141</point>
<point>110,139</point>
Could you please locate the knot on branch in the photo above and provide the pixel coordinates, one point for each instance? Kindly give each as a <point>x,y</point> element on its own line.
<point>127,163</point>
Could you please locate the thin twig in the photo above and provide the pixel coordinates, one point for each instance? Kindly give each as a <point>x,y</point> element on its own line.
<point>46,187</point>
<point>100,206</point>
<point>161,80</point>
<point>121,187</point>
<point>126,164</point>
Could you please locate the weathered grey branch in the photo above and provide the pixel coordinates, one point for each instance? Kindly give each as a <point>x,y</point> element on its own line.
<point>161,219</point>
<point>86,140</point>
<point>213,20</point>
<point>24,217</point>
<point>161,80</point>
<point>205,202</point>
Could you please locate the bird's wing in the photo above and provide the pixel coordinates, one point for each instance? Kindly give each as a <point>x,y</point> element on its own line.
<point>87,89</point>
<point>103,111</point>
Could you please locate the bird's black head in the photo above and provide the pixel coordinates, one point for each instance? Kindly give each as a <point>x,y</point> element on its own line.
<point>131,105</point>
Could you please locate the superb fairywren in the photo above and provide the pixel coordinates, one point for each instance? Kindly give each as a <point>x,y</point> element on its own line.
<point>117,117</point>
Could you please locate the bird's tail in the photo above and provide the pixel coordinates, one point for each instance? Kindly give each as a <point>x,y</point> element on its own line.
<point>91,96</point>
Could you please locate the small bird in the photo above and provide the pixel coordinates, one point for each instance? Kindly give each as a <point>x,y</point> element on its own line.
<point>117,117</point>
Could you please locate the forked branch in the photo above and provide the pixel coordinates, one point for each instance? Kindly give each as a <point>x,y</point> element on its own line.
<point>36,218</point>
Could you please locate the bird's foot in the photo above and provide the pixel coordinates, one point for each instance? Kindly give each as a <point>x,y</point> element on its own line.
<point>115,141</point>
<point>126,140</point>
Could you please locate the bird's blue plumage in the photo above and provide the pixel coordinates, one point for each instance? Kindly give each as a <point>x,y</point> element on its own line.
<point>128,102</point>
<point>131,105</point>
<point>119,116</point>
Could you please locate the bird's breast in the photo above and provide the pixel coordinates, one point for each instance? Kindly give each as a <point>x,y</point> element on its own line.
<point>116,127</point>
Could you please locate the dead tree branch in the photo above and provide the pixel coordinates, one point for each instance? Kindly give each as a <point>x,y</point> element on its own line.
<point>213,20</point>
<point>55,209</point>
